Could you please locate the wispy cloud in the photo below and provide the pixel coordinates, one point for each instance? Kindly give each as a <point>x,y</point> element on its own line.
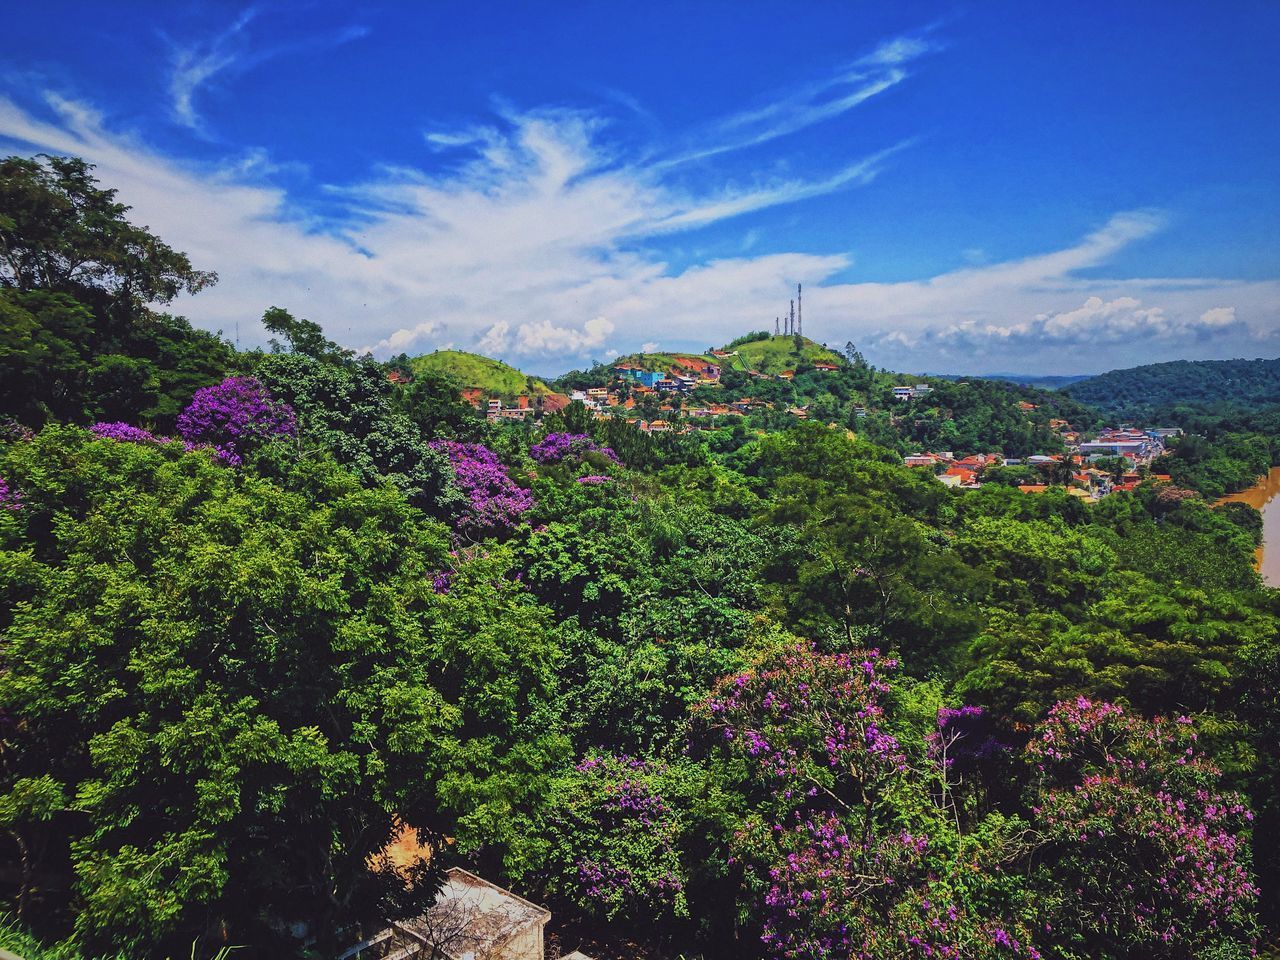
<point>882,69</point>
<point>230,52</point>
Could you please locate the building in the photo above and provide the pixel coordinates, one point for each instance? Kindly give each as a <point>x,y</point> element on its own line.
<point>471,919</point>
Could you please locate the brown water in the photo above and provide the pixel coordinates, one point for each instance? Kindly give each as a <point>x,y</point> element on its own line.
<point>1265,495</point>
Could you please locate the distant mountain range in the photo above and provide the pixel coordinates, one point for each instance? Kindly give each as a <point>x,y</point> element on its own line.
<point>1246,383</point>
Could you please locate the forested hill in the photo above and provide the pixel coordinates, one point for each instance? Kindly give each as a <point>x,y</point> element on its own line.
<point>474,370</point>
<point>1246,383</point>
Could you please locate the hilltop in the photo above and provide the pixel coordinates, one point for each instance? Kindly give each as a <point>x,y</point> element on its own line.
<point>769,355</point>
<point>473,370</point>
<point>775,354</point>
<point>1248,383</point>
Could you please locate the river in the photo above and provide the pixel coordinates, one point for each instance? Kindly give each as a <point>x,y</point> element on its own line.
<point>1265,495</point>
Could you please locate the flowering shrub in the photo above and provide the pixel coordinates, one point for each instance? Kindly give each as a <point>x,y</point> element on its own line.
<point>855,856</point>
<point>615,838</point>
<point>594,479</point>
<point>558,447</point>
<point>1136,795</point>
<point>10,499</point>
<point>234,417</point>
<point>124,432</point>
<point>494,502</point>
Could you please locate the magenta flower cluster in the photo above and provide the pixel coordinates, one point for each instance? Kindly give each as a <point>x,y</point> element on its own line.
<point>234,417</point>
<point>1137,794</point>
<point>125,432</point>
<point>558,447</point>
<point>494,501</point>
<point>965,736</point>
<point>10,499</point>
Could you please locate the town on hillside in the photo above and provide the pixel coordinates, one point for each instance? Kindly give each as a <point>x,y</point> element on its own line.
<point>766,382</point>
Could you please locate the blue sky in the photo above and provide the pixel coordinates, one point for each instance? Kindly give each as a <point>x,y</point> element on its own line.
<point>961,188</point>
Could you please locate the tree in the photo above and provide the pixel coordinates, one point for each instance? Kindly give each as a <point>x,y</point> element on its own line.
<point>78,340</point>
<point>229,695</point>
<point>302,336</point>
<point>348,410</point>
<point>60,232</point>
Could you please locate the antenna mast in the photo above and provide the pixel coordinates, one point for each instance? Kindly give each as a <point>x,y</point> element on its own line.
<point>776,321</point>
<point>799,309</point>
<point>791,325</point>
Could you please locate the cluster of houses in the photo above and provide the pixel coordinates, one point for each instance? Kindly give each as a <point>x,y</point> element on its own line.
<point>1139,448</point>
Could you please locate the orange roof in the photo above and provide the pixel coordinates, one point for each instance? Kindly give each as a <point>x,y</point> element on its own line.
<point>1033,487</point>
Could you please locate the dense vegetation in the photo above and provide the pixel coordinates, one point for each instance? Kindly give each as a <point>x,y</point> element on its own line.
<point>1201,383</point>
<point>736,694</point>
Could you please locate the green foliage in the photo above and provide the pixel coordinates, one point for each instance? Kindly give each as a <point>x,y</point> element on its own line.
<point>207,667</point>
<point>348,411</point>
<point>77,338</point>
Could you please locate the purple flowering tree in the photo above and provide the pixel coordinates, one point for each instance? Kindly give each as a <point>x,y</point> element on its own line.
<point>614,838</point>
<point>569,447</point>
<point>235,417</point>
<point>1149,853</point>
<point>494,501</point>
<point>854,850</point>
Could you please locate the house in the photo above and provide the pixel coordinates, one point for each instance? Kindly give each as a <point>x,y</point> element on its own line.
<point>787,375</point>
<point>646,378</point>
<point>398,377</point>
<point>471,919</point>
<point>964,478</point>
<point>1023,405</point>
<point>664,383</point>
<point>920,460</point>
<point>825,367</point>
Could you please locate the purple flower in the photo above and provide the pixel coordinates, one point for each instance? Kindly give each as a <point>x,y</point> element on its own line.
<point>494,501</point>
<point>594,479</point>
<point>124,432</point>
<point>10,499</point>
<point>235,417</point>
<point>557,447</point>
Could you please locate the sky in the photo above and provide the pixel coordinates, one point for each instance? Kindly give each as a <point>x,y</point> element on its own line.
<point>961,188</point>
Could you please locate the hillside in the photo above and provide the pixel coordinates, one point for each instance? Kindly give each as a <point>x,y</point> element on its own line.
<point>1246,383</point>
<point>779,353</point>
<point>474,370</point>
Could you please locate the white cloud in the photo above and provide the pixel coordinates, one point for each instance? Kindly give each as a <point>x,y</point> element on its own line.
<point>526,246</point>
<point>195,65</point>
<point>649,347</point>
<point>536,242</point>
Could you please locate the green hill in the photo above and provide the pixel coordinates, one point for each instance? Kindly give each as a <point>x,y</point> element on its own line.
<point>473,370</point>
<point>1246,383</point>
<point>779,353</point>
<point>763,356</point>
